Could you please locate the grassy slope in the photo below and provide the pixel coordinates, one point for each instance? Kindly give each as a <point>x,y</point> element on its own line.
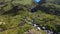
<point>14,21</point>
<point>18,18</point>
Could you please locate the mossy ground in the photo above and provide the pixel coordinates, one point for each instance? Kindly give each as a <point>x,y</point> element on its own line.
<point>13,20</point>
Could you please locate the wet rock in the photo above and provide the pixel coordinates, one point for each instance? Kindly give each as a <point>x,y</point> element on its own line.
<point>43,28</point>
<point>38,28</point>
<point>35,25</point>
<point>48,32</point>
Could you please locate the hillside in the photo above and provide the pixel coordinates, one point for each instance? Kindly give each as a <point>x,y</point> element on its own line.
<point>27,16</point>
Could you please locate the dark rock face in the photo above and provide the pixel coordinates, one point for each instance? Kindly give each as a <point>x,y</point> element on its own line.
<point>14,10</point>
<point>34,10</point>
<point>46,10</point>
<point>2,3</point>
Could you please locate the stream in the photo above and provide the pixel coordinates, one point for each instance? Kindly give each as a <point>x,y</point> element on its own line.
<point>41,27</point>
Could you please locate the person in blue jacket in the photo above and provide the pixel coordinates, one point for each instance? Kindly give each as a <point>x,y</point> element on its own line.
<point>39,1</point>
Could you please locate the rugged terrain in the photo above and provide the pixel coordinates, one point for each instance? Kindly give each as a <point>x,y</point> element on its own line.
<point>19,17</point>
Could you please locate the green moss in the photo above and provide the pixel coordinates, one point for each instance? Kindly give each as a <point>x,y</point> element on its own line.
<point>12,22</point>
